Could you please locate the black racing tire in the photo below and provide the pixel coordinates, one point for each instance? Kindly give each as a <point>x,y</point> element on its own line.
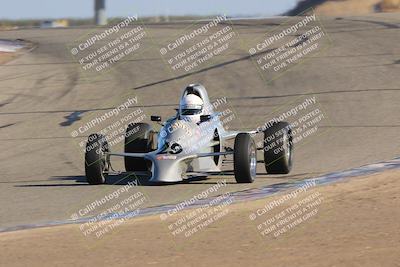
<point>278,148</point>
<point>95,159</point>
<point>245,158</point>
<point>138,139</point>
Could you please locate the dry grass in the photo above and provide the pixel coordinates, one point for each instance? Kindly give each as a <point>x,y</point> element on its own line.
<point>390,5</point>
<point>347,7</point>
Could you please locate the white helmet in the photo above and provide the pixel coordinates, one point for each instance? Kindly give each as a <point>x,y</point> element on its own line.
<point>191,108</point>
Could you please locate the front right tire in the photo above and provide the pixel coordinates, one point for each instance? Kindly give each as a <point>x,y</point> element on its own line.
<point>278,148</point>
<point>95,159</point>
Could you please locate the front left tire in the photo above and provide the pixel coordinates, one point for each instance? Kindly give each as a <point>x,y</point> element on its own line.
<point>138,139</point>
<point>245,158</point>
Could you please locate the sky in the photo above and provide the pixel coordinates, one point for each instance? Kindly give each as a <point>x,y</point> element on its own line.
<point>24,9</point>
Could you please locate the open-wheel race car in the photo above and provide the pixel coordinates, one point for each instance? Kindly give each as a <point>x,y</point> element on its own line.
<point>190,143</point>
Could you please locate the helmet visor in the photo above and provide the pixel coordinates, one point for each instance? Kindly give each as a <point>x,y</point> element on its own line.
<point>190,111</point>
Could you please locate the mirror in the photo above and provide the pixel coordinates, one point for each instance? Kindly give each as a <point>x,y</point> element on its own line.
<point>155,118</point>
<point>204,118</point>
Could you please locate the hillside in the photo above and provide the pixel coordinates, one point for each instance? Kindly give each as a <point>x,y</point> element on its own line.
<point>346,7</point>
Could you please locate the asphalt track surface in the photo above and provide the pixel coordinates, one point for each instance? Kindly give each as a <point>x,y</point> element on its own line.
<point>43,93</point>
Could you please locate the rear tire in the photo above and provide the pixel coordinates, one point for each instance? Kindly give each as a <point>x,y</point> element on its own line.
<point>95,159</point>
<point>245,158</point>
<point>138,139</point>
<point>278,146</point>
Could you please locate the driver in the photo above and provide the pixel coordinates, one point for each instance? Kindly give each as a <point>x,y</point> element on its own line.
<point>191,108</point>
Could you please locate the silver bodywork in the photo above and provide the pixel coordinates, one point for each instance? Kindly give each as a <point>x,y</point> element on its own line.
<point>186,147</point>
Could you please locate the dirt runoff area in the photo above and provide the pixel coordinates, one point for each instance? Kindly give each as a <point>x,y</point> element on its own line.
<point>353,223</point>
